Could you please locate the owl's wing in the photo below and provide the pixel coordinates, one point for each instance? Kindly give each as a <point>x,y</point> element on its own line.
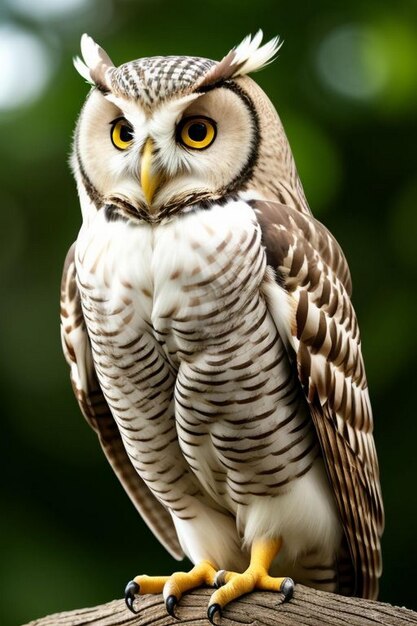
<point>315,315</point>
<point>77,351</point>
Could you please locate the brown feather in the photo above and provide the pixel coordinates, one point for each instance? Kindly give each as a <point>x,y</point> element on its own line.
<point>312,268</point>
<point>221,71</point>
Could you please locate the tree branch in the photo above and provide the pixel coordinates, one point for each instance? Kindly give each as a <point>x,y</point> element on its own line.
<point>308,607</point>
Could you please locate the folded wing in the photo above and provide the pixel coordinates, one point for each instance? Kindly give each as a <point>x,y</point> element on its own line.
<point>319,323</point>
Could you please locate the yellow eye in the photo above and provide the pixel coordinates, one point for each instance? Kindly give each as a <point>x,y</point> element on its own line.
<point>121,133</point>
<point>196,132</point>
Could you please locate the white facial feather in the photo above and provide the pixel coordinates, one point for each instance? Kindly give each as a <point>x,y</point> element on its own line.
<point>111,171</point>
<point>162,128</point>
<point>116,173</point>
<point>212,168</point>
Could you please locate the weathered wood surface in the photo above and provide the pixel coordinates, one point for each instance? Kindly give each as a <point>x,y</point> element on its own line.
<point>307,608</point>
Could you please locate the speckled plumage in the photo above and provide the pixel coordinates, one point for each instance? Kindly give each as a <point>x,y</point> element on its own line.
<point>212,342</point>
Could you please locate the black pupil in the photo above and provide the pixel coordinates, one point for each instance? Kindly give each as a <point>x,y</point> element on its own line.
<point>126,133</point>
<point>197,131</point>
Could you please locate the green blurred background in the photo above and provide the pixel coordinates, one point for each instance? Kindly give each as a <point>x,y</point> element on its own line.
<point>345,85</point>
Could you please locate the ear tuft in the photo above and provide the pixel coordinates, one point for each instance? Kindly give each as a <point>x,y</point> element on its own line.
<point>82,69</point>
<point>248,56</point>
<point>96,66</point>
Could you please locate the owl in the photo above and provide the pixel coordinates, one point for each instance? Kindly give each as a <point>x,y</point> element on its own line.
<point>207,321</point>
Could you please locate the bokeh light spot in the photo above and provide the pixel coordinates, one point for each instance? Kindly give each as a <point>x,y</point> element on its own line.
<point>47,9</point>
<point>398,44</point>
<point>349,61</point>
<point>25,67</point>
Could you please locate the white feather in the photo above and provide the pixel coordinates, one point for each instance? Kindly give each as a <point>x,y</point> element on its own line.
<point>82,69</point>
<point>90,51</point>
<point>93,56</point>
<point>306,516</point>
<point>281,305</point>
<point>247,47</point>
<point>252,56</point>
<point>223,548</point>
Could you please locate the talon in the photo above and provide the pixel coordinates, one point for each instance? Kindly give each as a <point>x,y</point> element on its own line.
<point>219,579</point>
<point>287,588</point>
<point>212,610</point>
<point>131,590</point>
<point>170,604</point>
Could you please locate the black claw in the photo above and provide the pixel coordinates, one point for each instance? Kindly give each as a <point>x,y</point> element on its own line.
<point>287,588</point>
<point>131,590</point>
<point>170,604</point>
<point>212,610</point>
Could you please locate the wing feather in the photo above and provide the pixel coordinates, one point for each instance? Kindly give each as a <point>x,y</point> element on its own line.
<point>87,390</point>
<point>322,330</point>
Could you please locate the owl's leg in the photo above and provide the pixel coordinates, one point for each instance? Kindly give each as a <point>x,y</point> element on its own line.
<point>172,586</point>
<point>263,553</point>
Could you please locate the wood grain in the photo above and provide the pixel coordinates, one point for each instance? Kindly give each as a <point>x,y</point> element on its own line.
<point>307,608</point>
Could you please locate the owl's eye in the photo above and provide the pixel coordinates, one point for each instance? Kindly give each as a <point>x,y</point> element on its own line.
<point>196,132</point>
<point>121,133</point>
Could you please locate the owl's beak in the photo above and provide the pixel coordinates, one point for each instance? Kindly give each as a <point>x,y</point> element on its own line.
<point>149,178</point>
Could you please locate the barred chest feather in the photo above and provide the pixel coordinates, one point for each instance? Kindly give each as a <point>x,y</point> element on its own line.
<point>190,359</point>
<point>185,281</point>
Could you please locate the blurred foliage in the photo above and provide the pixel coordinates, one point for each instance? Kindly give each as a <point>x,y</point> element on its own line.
<point>345,85</point>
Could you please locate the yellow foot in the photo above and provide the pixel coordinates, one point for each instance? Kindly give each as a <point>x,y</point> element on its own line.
<point>171,586</point>
<point>233,585</point>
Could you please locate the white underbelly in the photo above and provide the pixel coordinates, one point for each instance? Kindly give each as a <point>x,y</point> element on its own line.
<point>190,359</point>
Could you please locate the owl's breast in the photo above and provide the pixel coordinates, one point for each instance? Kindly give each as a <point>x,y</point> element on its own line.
<point>207,270</point>
<point>184,345</point>
<point>187,281</point>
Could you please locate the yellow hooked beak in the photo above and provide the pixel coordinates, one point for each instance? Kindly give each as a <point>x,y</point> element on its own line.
<point>149,179</point>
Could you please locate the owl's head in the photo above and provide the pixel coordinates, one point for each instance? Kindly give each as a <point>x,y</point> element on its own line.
<point>159,134</point>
